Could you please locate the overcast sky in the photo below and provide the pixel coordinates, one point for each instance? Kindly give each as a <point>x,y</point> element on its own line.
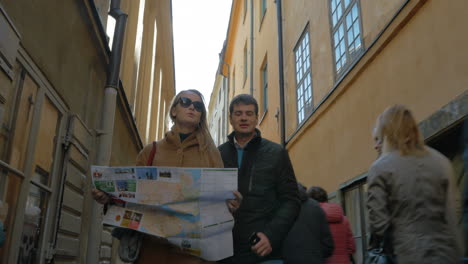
<point>200,29</point>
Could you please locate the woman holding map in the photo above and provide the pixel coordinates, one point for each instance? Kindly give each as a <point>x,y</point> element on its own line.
<point>187,144</point>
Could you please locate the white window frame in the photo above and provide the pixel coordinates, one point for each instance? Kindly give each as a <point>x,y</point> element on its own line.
<point>264,77</point>
<point>346,33</point>
<point>303,74</point>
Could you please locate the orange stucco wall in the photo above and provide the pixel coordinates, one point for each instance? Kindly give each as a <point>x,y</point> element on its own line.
<point>424,66</point>
<point>266,50</point>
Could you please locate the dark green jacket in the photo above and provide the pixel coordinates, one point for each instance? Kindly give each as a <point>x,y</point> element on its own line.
<point>270,196</point>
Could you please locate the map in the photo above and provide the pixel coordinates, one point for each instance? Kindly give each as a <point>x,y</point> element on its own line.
<point>185,205</point>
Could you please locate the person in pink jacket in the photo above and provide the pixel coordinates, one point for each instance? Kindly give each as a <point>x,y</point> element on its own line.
<point>339,227</point>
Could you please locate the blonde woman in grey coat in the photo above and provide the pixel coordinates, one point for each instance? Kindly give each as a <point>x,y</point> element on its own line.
<point>409,193</point>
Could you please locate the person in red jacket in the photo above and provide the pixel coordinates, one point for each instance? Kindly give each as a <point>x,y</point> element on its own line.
<point>339,227</point>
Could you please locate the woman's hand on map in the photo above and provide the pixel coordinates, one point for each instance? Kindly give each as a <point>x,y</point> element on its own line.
<point>100,196</point>
<point>234,204</point>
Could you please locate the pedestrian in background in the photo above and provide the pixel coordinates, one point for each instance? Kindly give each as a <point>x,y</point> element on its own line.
<point>309,241</point>
<point>339,226</point>
<point>409,193</point>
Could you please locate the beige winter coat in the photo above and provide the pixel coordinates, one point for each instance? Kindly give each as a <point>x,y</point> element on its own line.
<point>196,152</point>
<point>412,196</point>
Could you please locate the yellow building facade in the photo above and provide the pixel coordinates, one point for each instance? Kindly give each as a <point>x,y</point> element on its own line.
<point>147,69</point>
<point>60,114</point>
<point>337,65</point>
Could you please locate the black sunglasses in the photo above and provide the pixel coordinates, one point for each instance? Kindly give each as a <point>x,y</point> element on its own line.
<point>186,102</point>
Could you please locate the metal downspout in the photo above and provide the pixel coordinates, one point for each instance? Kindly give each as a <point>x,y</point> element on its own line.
<point>105,133</point>
<point>226,101</point>
<point>228,91</point>
<point>279,17</point>
<point>251,47</point>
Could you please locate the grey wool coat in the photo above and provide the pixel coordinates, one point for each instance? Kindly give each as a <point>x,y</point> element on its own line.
<point>410,197</point>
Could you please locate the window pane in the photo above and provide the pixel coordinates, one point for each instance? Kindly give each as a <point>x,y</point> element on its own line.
<point>350,35</point>
<point>13,184</point>
<point>41,176</point>
<point>358,43</point>
<point>36,208</point>
<point>334,18</point>
<point>346,3</point>
<point>366,213</point>
<point>263,7</point>
<point>349,21</point>
<point>353,213</point>
<point>342,47</point>
<point>338,65</point>
<point>356,29</point>
<point>355,11</point>
<point>23,123</point>
<point>336,39</point>
<point>46,139</point>
<point>353,210</point>
<point>339,11</point>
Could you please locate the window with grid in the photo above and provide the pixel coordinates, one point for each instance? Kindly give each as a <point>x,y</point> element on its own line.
<point>233,82</point>
<point>303,78</point>
<point>245,62</point>
<point>264,8</point>
<point>265,86</point>
<point>245,9</point>
<point>346,32</point>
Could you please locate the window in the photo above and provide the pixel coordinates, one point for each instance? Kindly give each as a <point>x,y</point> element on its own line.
<point>355,208</point>
<point>346,32</point>
<point>245,62</point>
<point>233,83</point>
<point>245,9</point>
<point>263,9</point>
<point>303,77</point>
<point>264,76</point>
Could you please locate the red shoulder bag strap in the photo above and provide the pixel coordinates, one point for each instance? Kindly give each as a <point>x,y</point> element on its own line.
<point>151,156</point>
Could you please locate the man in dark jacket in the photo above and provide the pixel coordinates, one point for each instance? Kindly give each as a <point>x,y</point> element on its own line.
<point>309,241</point>
<point>267,183</point>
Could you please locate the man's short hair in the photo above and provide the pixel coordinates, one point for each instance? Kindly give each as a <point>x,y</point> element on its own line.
<point>245,99</point>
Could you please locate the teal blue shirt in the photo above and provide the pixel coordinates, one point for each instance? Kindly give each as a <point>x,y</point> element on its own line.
<point>240,154</point>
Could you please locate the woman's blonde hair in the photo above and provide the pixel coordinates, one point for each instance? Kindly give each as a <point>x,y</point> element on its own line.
<point>398,126</point>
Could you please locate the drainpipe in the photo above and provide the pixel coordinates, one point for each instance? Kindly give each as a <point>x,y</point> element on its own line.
<point>251,46</point>
<point>226,101</point>
<point>279,17</point>
<point>226,96</point>
<point>222,62</point>
<point>106,129</point>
